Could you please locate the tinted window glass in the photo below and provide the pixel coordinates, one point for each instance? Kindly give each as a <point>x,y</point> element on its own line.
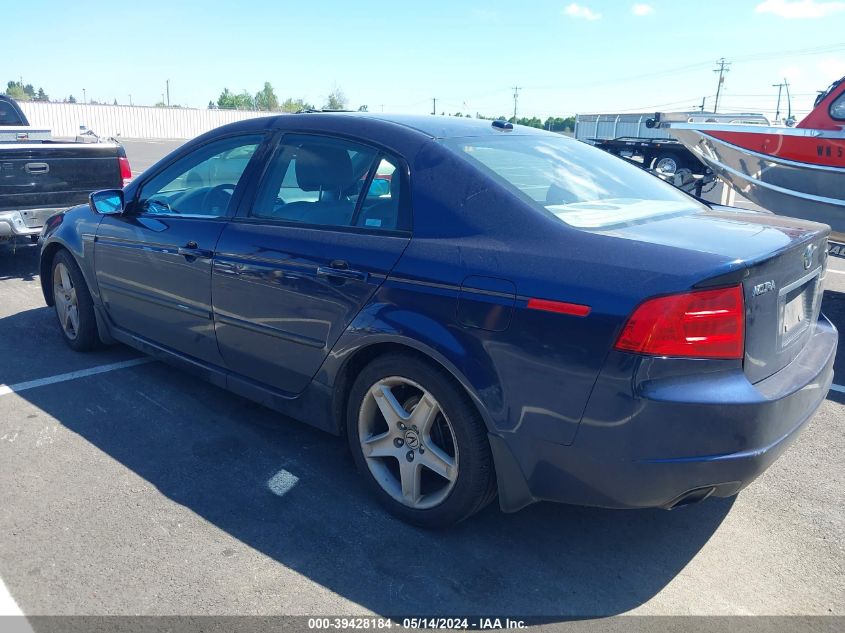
<point>8,115</point>
<point>330,182</point>
<point>580,185</point>
<point>380,207</point>
<point>202,183</point>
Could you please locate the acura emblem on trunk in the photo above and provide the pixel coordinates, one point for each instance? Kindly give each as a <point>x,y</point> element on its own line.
<point>763,288</point>
<point>808,256</point>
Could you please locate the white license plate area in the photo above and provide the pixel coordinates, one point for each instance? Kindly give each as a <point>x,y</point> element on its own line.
<point>794,314</point>
<point>796,309</point>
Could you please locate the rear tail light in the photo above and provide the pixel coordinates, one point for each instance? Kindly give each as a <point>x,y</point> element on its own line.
<point>698,324</point>
<point>125,170</point>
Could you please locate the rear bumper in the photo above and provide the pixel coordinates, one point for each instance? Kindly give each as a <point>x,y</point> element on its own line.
<point>658,442</point>
<point>24,223</point>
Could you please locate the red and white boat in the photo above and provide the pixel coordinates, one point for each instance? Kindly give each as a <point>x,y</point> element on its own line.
<point>796,171</point>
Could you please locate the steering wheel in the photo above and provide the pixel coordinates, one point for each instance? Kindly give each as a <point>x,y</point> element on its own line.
<point>217,190</point>
<point>160,202</point>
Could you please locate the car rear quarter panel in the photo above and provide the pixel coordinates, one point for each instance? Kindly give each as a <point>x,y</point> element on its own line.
<point>536,374</point>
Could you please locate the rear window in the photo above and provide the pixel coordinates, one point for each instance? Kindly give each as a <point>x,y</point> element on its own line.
<point>8,114</point>
<point>578,184</point>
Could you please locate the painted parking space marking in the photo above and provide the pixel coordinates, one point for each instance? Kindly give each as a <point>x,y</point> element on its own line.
<point>72,375</point>
<point>837,388</point>
<point>8,606</point>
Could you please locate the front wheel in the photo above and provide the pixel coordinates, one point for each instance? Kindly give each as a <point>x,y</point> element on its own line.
<point>419,442</point>
<point>74,307</point>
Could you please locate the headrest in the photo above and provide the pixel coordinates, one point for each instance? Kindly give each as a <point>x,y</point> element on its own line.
<point>323,167</point>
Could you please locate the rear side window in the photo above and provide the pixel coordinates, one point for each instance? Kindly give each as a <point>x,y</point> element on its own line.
<point>331,182</point>
<point>578,184</point>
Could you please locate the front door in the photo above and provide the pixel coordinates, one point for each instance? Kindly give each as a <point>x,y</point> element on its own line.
<point>153,262</point>
<point>329,222</point>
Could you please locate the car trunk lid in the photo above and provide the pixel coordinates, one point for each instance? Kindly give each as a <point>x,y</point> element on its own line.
<point>780,261</point>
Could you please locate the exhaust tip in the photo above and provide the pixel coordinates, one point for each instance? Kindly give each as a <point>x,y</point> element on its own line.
<point>696,495</point>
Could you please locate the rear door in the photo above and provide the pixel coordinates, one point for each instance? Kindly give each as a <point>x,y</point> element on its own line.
<point>55,175</point>
<point>153,262</point>
<point>329,222</point>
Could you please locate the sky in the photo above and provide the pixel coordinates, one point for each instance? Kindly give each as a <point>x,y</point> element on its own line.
<point>566,57</point>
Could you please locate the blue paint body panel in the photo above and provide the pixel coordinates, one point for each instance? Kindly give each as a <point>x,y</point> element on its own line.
<point>569,418</point>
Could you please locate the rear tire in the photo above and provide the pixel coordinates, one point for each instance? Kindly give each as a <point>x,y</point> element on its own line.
<point>419,442</point>
<point>73,304</point>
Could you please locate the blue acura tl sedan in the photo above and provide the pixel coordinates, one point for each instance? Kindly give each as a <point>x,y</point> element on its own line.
<point>481,309</point>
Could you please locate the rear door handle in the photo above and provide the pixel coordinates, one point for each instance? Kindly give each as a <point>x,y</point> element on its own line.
<point>191,249</point>
<point>339,269</point>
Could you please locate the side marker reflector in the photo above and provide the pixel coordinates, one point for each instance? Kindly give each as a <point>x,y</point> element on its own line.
<point>560,307</point>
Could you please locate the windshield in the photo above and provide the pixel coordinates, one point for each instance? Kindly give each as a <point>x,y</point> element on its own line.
<point>580,185</point>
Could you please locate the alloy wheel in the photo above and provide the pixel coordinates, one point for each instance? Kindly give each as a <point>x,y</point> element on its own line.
<point>64,295</point>
<point>408,443</point>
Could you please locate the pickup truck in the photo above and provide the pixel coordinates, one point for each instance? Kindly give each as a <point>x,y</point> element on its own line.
<point>40,176</point>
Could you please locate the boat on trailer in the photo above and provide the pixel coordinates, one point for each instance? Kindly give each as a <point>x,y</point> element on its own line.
<point>796,171</point>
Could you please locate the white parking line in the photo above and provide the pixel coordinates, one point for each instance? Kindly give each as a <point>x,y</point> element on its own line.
<point>8,606</point>
<point>72,375</point>
<point>837,388</point>
<point>836,272</point>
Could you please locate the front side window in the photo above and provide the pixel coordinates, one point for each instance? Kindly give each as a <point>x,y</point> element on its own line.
<point>201,184</point>
<point>330,182</point>
<point>580,185</point>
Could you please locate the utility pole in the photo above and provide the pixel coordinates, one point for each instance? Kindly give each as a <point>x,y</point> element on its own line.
<point>516,90</point>
<point>433,105</point>
<point>703,99</point>
<point>130,99</point>
<point>788,100</point>
<point>777,109</point>
<point>84,96</point>
<point>723,68</point>
<point>167,83</point>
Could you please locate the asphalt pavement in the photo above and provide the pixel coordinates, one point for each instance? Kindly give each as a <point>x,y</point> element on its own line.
<point>128,487</point>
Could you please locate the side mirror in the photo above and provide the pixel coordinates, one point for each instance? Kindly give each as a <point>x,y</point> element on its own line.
<point>107,202</point>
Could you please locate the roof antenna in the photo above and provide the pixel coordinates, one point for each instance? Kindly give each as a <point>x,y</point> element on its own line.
<point>505,126</point>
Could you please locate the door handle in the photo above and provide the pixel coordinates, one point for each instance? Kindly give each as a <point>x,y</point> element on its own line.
<point>191,249</point>
<point>37,168</point>
<point>339,269</point>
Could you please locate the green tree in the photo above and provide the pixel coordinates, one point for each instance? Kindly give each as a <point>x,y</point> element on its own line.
<point>71,99</point>
<point>295,105</point>
<point>363,108</point>
<point>226,99</point>
<point>17,91</point>
<point>336,100</point>
<point>230,101</point>
<point>266,98</point>
<point>41,96</point>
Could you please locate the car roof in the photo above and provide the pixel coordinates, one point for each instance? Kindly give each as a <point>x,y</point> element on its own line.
<point>432,126</point>
<point>438,126</point>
